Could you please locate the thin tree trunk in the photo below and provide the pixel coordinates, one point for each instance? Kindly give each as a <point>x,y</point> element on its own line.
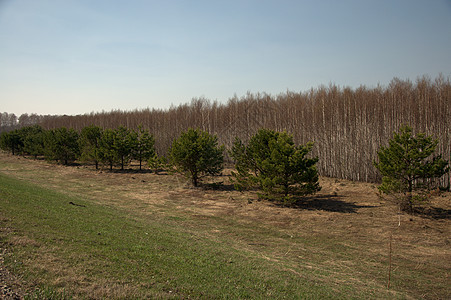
<point>194,178</point>
<point>410,196</point>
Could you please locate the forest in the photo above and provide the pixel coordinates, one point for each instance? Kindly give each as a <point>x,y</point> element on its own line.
<point>347,126</point>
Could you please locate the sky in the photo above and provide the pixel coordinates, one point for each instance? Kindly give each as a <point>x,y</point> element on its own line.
<point>80,56</point>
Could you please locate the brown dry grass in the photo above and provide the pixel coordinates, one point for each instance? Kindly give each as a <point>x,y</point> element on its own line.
<point>348,218</point>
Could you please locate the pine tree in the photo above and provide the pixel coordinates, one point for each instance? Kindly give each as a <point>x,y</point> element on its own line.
<point>33,140</point>
<point>275,164</point>
<point>144,145</point>
<point>107,151</point>
<point>157,163</point>
<point>124,143</point>
<point>407,167</point>
<point>89,142</point>
<point>196,153</point>
<point>11,141</point>
<point>61,144</point>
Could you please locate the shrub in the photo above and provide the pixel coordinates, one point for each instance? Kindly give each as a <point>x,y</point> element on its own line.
<point>157,163</point>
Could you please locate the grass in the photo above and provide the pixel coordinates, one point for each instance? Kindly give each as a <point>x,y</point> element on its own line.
<point>149,236</point>
<point>75,246</point>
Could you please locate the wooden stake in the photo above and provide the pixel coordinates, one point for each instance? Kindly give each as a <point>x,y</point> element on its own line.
<point>389,262</point>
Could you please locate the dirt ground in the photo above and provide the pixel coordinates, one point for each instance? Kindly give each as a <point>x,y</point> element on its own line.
<point>353,212</point>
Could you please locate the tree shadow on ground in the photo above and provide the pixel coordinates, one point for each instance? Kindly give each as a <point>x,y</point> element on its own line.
<point>436,213</point>
<point>131,171</point>
<point>331,203</point>
<point>217,186</point>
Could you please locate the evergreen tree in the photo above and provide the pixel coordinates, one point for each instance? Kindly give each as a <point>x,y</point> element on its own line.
<point>61,144</point>
<point>275,164</point>
<point>107,151</point>
<point>407,167</point>
<point>11,141</point>
<point>4,141</point>
<point>144,145</point>
<point>124,143</point>
<point>157,163</point>
<point>89,142</point>
<point>33,140</point>
<point>196,153</point>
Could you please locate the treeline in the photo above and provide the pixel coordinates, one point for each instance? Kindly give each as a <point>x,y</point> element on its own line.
<point>92,144</point>
<point>9,121</point>
<point>271,162</point>
<point>346,125</point>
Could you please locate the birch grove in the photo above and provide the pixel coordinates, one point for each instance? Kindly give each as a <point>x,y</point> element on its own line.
<point>346,125</point>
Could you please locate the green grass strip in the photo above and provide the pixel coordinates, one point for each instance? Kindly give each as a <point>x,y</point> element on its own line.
<point>84,248</point>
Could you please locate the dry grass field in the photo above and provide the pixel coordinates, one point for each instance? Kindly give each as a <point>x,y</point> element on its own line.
<point>337,240</point>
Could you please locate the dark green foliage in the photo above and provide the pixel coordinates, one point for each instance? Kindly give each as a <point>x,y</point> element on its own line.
<point>407,166</point>
<point>89,143</point>
<point>116,146</point>
<point>275,164</point>
<point>61,144</point>
<point>33,140</point>
<point>196,153</point>
<point>143,145</point>
<point>11,141</point>
<point>26,140</point>
<point>124,143</point>
<point>107,152</point>
<point>157,163</point>
<point>4,141</point>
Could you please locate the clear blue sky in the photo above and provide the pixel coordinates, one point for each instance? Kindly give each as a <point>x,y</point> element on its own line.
<point>79,56</point>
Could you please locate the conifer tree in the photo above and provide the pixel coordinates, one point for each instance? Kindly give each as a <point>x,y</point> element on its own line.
<point>89,142</point>
<point>124,142</point>
<point>196,153</point>
<point>33,140</point>
<point>107,151</point>
<point>275,164</point>
<point>11,141</point>
<point>157,163</point>
<point>407,166</point>
<point>143,147</point>
<point>61,144</point>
